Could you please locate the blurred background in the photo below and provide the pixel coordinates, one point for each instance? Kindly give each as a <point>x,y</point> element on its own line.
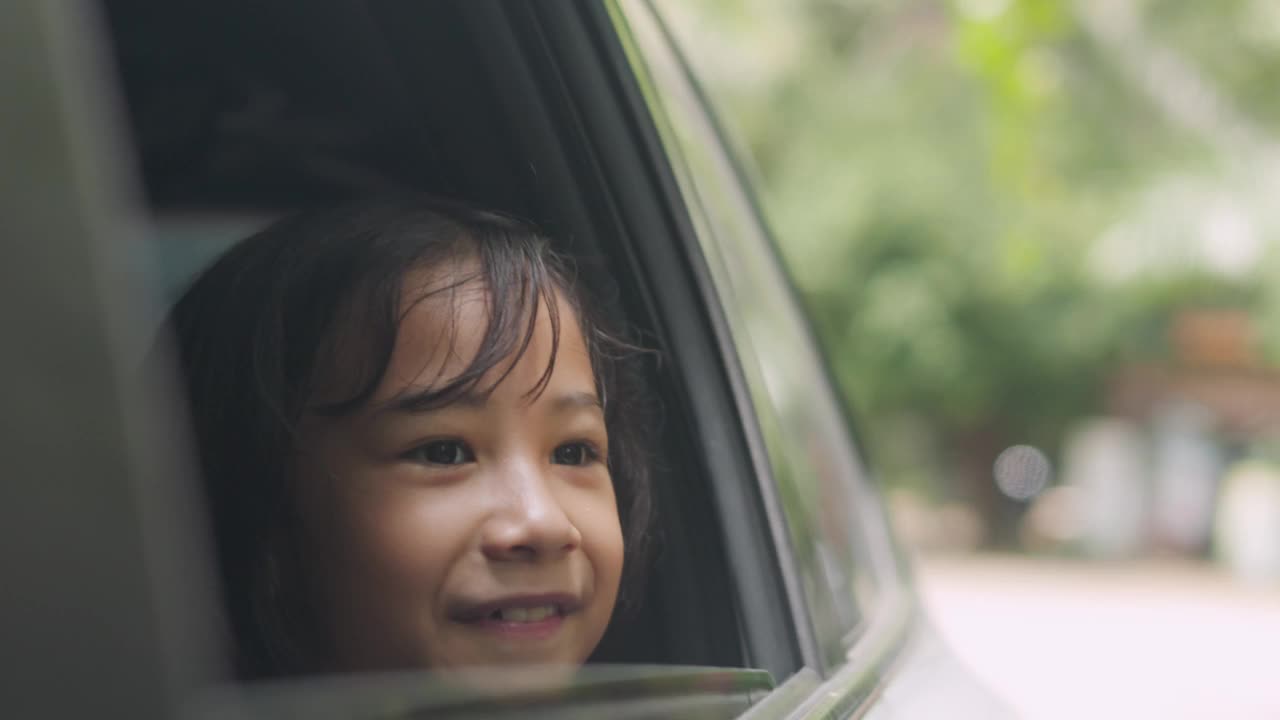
<point>1039,241</point>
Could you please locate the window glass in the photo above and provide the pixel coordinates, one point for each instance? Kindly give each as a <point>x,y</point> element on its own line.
<point>833,518</point>
<point>628,691</point>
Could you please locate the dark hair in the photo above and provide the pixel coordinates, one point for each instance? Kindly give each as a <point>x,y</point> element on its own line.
<point>257,331</point>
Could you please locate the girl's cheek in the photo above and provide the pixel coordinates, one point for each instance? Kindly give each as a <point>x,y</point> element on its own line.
<point>376,527</point>
<point>597,519</point>
<point>413,523</point>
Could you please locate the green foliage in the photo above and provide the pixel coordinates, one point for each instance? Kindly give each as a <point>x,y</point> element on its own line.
<point>944,177</point>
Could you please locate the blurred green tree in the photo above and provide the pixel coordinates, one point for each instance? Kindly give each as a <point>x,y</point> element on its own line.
<point>952,184</point>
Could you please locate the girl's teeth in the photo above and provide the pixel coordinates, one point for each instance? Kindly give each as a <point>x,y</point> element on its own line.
<point>522,615</point>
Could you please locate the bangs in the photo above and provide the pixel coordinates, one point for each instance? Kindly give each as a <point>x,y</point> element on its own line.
<point>518,276</point>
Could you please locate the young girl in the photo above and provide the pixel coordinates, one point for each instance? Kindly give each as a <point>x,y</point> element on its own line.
<point>421,448</point>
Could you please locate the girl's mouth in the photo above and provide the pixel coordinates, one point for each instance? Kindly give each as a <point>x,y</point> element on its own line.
<point>526,617</point>
<point>525,614</point>
<point>524,623</point>
<point>516,608</point>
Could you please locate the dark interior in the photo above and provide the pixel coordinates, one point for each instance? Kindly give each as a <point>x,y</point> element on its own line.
<point>245,109</point>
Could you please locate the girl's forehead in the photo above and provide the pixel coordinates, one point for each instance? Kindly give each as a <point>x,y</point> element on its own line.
<point>444,321</point>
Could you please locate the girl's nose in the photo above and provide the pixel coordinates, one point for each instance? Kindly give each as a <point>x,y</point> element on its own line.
<point>529,522</point>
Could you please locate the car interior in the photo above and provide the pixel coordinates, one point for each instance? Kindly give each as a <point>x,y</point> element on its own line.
<point>243,110</point>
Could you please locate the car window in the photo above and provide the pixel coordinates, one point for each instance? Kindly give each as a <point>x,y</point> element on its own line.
<point>847,572</point>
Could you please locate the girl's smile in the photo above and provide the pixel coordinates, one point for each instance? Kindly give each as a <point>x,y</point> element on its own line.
<point>528,617</point>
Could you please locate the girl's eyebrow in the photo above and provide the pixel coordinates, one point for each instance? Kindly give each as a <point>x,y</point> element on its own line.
<point>575,400</point>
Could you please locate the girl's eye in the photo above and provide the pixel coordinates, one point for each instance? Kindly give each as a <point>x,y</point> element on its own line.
<point>443,452</point>
<point>574,453</point>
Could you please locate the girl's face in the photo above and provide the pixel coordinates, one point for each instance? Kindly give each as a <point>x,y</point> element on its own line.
<point>481,533</point>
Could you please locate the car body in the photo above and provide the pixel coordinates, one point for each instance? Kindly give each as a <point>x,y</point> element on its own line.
<point>148,135</point>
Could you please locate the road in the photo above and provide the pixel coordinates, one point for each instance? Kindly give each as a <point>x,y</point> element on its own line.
<point>1067,639</point>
